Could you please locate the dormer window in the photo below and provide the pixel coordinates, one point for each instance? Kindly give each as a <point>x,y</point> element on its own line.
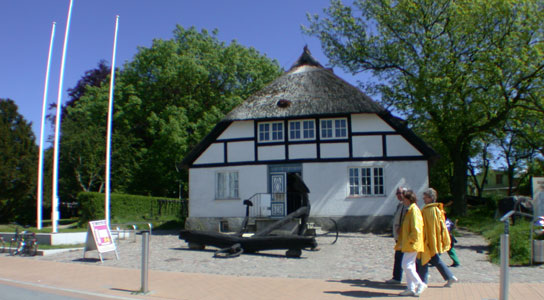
<point>334,129</point>
<point>270,132</point>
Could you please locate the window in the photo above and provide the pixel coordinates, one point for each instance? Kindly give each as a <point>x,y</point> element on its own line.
<point>226,185</point>
<point>334,129</point>
<point>366,181</point>
<point>271,132</point>
<point>302,130</point>
<point>498,179</point>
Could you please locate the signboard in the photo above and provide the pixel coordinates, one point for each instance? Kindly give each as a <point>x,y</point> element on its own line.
<point>538,196</point>
<point>99,238</point>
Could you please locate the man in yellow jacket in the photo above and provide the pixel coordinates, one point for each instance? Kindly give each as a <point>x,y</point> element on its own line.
<point>436,238</point>
<point>410,242</point>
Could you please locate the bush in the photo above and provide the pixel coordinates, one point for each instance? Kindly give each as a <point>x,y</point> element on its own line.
<point>480,220</point>
<point>130,207</point>
<point>520,243</point>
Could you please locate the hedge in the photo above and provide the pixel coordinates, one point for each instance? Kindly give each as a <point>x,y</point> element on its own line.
<point>91,207</point>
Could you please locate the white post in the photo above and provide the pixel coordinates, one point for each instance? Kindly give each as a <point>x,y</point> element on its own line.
<point>39,192</point>
<point>110,117</point>
<point>55,199</point>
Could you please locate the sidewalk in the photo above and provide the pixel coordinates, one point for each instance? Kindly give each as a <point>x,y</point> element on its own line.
<point>102,282</point>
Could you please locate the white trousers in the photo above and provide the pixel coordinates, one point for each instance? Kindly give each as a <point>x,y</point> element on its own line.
<point>409,267</point>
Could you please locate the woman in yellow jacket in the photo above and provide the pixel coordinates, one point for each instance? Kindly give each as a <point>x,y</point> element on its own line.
<point>410,242</point>
<point>436,238</point>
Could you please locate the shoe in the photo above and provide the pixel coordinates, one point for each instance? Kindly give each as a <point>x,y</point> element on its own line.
<point>407,293</point>
<point>420,289</point>
<point>392,281</point>
<point>451,281</point>
<point>455,265</point>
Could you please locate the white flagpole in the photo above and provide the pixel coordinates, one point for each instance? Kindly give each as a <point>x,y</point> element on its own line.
<point>55,199</point>
<point>39,195</point>
<point>110,117</point>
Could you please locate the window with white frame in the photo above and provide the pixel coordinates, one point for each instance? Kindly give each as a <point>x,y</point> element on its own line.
<point>301,130</point>
<point>270,132</point>
<point>366,181</point>
<point>334,128</point>
<point>226,185</point>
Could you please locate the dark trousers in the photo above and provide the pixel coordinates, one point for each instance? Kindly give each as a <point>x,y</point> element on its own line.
<point>423,271</point>
<point>397,266</point>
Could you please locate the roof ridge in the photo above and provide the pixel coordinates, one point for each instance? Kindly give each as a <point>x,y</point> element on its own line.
<point>306,59</point>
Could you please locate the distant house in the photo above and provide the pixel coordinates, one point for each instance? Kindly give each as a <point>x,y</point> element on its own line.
<point>496,183</point>
<point>351,153</point>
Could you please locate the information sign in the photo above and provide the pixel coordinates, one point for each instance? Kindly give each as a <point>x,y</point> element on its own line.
<point>99,239</point>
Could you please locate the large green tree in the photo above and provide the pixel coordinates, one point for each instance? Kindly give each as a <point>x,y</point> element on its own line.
<point>456,69</point>
<point>18,165</point>
<point>185,85</point>
<point>83,140</point>
<point>167,98</point>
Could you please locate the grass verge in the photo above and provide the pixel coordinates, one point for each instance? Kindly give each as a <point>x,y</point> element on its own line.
<point>481,220</point>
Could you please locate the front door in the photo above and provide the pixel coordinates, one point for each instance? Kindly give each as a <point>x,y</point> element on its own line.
<point>278,189</point>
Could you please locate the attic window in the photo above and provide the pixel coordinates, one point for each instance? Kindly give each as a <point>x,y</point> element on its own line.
<point>283,103</point>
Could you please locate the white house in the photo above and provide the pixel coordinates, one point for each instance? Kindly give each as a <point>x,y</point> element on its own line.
<point>350,151</point>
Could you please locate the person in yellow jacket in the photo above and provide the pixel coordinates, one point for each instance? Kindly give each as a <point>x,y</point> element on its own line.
<point>436,238</point>
<point>410,242</point>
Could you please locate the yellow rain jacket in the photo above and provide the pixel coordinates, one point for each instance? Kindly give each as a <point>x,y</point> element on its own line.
<point>435,234</point>
<point>411,232</point>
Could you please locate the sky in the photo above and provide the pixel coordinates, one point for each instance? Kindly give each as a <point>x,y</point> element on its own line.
<point>271,27</point>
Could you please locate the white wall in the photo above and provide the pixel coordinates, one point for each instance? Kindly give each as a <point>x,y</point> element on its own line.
<point>238,129</point>
<point>328,184</point>
<point>202,203</point>
<point>271,152</point>
<point>368,123</point>
<point>241,151</point>
<point>302,151</point>
<point>367,146</point>
<point>334,150</point>
<point>213,154</point>
<point>398,146</point>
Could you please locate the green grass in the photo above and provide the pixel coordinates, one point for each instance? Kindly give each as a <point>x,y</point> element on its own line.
<point>45,228</point>
<point>480,220</point>
<point>51,247</point>
<point>72,225</point>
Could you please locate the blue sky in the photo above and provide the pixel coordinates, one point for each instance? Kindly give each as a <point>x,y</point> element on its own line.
<point>271,27</point>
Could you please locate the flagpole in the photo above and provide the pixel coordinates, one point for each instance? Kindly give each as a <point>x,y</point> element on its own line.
<point>55,199</point>
<point>39,196</point>
<point>110,117</point>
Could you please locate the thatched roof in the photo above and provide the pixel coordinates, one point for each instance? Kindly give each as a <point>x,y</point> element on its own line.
<point>307,89</point>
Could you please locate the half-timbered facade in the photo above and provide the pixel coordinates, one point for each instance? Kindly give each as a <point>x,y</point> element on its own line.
<point>350,151</point>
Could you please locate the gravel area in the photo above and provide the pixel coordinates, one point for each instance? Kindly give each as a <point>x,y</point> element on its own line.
<point>353,256</point>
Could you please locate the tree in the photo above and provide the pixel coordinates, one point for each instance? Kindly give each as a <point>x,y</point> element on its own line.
<point>185,85</point>
<point>167,98</point>
<point>457,69</point>
<point>82,144</point>
<point>479,165</point>
<point>514,152</point>
<point>95,77</point>
<point>18,164</point>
